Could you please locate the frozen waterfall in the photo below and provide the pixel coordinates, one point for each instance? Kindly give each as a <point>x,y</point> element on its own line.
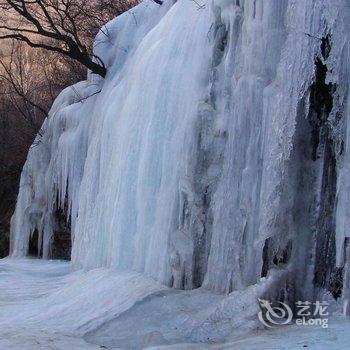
<point>215,154</point>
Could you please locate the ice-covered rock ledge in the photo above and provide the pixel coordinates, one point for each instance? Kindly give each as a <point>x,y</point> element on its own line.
<point>214,158</point>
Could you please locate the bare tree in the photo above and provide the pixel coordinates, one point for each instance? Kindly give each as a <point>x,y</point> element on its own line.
<point>32,78</point>
<point>55,25</point>
<point>25,85</point>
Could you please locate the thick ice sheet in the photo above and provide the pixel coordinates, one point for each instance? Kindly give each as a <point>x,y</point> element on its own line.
<point>197,163</point>
<point>44,306</point>
<point>285,338</point>
<point>196,154</point>
<point>42,298</point>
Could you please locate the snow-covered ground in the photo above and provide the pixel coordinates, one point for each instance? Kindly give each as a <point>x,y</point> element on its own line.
<point>45,306</point>
<point>336,337</point>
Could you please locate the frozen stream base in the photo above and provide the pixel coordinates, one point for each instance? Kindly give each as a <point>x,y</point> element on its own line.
<point>45,306</point>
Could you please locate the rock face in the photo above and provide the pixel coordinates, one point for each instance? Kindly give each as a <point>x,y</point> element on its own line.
<point>216,154</point>
<point>4,241</point>
<point>62,239</point>
<point>9,178</point>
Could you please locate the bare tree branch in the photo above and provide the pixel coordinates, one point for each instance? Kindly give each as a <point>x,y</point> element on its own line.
<point>56,23</point>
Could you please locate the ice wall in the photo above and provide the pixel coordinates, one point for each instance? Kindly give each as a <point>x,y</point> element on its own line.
<point>215,151</point>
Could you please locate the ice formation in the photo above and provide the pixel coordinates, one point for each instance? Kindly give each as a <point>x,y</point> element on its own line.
<point>215,155</point>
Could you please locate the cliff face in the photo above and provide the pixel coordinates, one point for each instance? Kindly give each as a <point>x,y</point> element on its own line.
<point>215,153</point>
<point>9,178</point>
